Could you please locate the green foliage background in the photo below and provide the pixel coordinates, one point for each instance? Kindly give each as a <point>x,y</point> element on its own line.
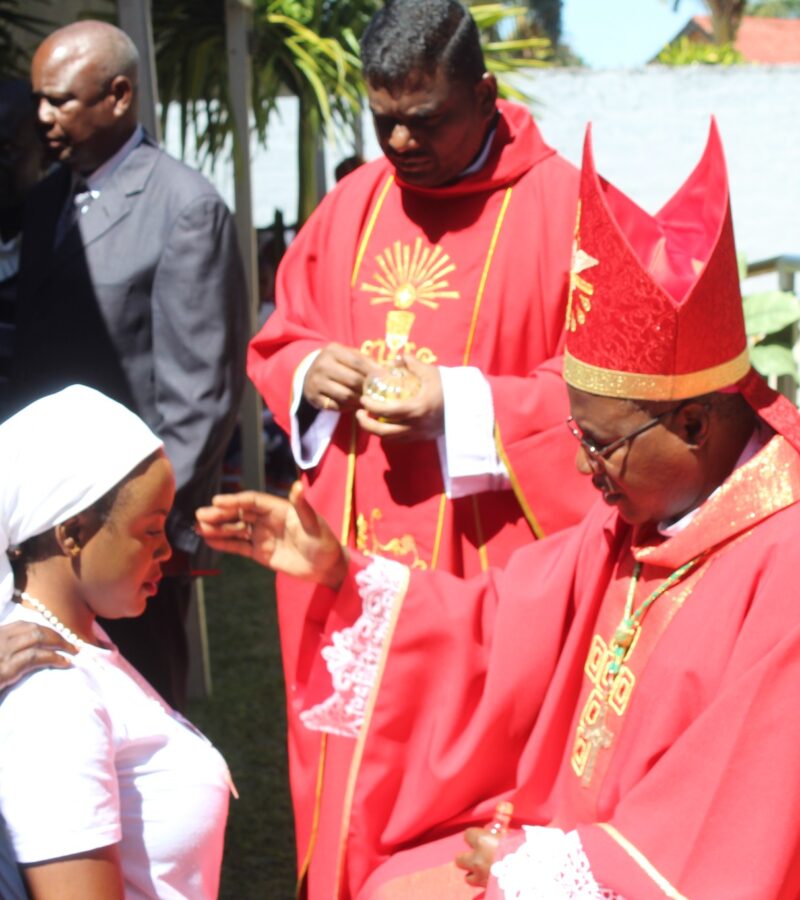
<point>305,48</point>
<point>28,18</point>
<point>686,52</point>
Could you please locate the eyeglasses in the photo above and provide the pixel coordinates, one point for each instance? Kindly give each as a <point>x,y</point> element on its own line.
<point>603,453</point>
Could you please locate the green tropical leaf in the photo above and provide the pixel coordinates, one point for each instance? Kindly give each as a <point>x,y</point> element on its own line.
<point>770,311</point>
<point>686,52</point>
<point>489,15</point>
<point>316,85</point>
<point>773,359</point>
<point>20,16</point>
<point>515,45</point>
<point>741,264</point>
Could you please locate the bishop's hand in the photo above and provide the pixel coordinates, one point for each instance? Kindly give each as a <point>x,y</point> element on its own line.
<point>285,535</point>
<point>478,860</point>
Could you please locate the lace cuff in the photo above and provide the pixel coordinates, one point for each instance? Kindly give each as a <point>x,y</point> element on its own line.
<point>552,864</point>
<point>354,654</point>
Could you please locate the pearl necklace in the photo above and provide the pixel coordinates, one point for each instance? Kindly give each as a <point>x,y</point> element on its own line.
<point>52,619</point>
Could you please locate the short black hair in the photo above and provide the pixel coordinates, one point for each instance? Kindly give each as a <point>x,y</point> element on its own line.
<point>409,37</point>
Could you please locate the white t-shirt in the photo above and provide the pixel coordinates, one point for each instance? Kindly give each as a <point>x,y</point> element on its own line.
<point>92,756</point>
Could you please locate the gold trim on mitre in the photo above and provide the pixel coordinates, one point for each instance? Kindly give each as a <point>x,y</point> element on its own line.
<point>640,386</point>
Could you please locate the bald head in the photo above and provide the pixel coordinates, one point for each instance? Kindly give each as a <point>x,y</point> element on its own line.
<point>85,78</point>
<point>108,47</point>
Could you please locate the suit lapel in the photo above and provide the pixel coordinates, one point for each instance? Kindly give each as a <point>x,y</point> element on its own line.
<point>111,207</point>
<point>116,198</point>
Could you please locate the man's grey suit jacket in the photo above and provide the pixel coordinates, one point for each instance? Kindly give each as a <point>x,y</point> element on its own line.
<point>144,299</point>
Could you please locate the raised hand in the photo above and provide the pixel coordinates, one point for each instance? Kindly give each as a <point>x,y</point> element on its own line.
<point>285,535</point>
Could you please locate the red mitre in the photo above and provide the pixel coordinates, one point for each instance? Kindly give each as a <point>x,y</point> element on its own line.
<point>655,310</point>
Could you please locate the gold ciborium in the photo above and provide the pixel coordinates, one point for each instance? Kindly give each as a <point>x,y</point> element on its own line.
<point>396,382</point>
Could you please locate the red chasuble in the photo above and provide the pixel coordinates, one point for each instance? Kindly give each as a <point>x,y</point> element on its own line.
<point>489,689</point>
<point>471,274</point>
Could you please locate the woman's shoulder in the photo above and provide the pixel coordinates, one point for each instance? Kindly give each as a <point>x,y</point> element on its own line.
<point>64,695</point>
<point>67,695</point>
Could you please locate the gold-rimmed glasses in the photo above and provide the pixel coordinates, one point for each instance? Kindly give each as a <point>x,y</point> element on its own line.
<point>600,453</point>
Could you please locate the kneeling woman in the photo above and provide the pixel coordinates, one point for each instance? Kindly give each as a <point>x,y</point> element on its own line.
<point>107,791</point>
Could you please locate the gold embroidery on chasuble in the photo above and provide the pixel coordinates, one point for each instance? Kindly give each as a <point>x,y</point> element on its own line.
<point>579,301</point>
<point>610,694</point>
<point>404,277</point>
<point>593,734</point>
<point>415,279</point>
<point>385,350</point>
<point>403,548</point>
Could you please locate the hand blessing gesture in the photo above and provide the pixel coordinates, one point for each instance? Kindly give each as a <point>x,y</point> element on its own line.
<point>285,535</point>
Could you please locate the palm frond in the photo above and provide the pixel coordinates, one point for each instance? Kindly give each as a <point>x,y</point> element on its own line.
<point>14,62</point>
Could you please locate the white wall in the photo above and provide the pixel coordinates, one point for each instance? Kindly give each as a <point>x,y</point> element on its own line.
<point>650,126</point>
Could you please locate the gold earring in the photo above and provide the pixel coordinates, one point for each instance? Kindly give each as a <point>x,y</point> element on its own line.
<point>72,547</point>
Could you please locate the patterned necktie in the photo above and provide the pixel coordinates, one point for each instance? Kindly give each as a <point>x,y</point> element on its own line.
<point>78,202</point>
<point>83,196</point>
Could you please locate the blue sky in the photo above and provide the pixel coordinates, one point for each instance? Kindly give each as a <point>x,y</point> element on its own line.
<point>610,34</point>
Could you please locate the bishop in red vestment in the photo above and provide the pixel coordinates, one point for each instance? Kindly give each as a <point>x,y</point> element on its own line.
<point>454,251</point>
<point>630,684</point>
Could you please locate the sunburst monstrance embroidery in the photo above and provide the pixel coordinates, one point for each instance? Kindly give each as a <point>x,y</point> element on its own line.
<point>407,276</point>
<point>577,308</point>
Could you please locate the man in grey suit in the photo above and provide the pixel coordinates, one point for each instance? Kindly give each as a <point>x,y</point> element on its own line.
<point>131,282</point>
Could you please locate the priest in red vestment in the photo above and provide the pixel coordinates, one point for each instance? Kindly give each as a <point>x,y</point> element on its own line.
<point>446,261</point>
<point>630,684</point>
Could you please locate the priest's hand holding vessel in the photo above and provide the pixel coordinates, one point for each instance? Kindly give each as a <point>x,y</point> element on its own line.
<point>404,402</point>
<point>335,380</point>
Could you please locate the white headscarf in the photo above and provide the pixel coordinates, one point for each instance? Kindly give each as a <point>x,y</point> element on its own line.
<point>57,457</point>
